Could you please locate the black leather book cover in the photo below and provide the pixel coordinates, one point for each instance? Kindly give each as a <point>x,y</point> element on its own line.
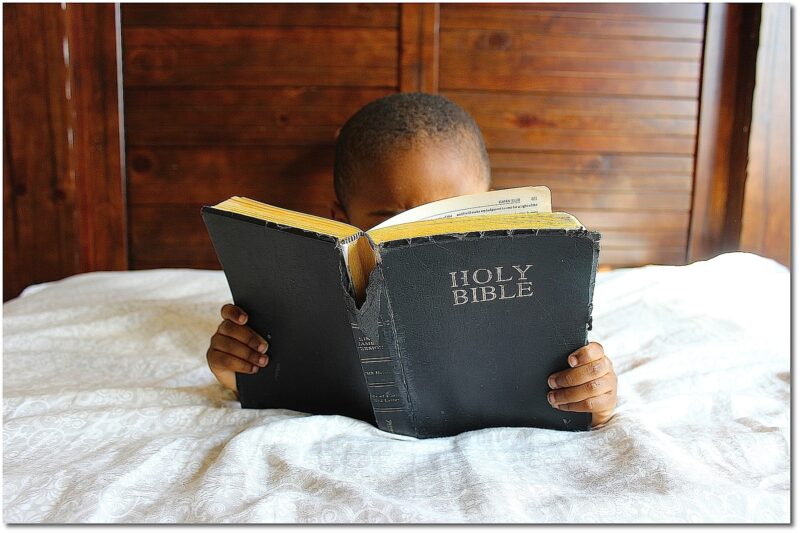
<point>292,285</point>
<point>481,321</point>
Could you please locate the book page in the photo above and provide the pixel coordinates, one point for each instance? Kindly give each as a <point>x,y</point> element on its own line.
<point>506,201</point>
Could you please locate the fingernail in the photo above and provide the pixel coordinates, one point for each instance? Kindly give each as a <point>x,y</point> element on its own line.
<point>572,360</point>
<point>551,397</point>
<point>255,369</point>
<point>262,347</point>
<point>242,318</point>
<point>262,361</point>
<point>552,382</point>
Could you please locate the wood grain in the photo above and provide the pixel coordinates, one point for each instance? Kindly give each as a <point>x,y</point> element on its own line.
<point>766,217</point>
<point>231,116</point>
<point>157,57</point>
<point>536,18</point>
<point>40,233</point>
<point>419,48</point>
<point>723,129</point>
<point>91,31</point>
<point>280,15</point>
<point>289,177</point>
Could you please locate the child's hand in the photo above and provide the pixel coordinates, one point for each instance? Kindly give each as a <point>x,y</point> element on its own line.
<point>235,348</point>
<point>590,386</point>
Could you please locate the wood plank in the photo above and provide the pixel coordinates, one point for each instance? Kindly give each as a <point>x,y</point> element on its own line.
<point>507,62</point>
<point>496,103</point>
<point>593,163</point>
<point>546,120</point>
<point>619,258</point>
<point>419,48</point>
<point>247,57</point>
<point>668,11</point>
<point>457,77</point>
<point>468,41</point>
<point>320,98</point>
<point>536,19</point>
<point>588,141</point>
<point>168,236</point>
<point>622,239</point>
<point>634,200</point>
<point>723,129</point>
<point>40,201</point>
<point>766,217</point>
<point>282,15</point>
<point>304,116</point>
<point>607,219</point>
<point>92,37</point>
<point>334,40</point>
<point>596,181</point>
<point>286,177</point>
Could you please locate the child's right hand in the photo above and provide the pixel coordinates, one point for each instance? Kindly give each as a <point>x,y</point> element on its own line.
<point>235,348</point>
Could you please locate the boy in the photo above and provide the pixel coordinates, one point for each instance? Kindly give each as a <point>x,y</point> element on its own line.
<point>396,153</point>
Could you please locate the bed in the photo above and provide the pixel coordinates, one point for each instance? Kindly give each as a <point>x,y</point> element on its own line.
<point>111,415</point>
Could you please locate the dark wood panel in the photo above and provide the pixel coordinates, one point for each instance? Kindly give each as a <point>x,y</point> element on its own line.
<point>334,40</point>
<point>457,76</point>
<point>494,103</point>
<point>535,18</point>
<point>505,63</point>
<point>588,141</point>
<point>766,217</point>
<point>633,200</point>
<point>594,163</point>
<point>607,219</point>
<point>287,177</point>
<point>301,116</point>
<point>668,11</point>
<point>282,15</point>
<point>547,120</point>
<point>419,47</point>
<point>595,181</point>
<point>260,57</point>
<point>468,41</point>
<point>169,236</point>
<point>723,129</point>
<point>619,239</point>
<point>97,162</point>
<point>39,197</point>
<point>626,257</point>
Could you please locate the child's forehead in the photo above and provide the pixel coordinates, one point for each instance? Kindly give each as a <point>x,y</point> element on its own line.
<point>435,170</point>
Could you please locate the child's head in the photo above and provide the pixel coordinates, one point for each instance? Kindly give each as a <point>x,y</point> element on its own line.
<point>404,150</point>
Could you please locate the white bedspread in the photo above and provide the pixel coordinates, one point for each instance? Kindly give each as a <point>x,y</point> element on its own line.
<point>111,415</point>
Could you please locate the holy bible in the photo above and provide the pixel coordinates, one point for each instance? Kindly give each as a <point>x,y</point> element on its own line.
<point>446,318</point>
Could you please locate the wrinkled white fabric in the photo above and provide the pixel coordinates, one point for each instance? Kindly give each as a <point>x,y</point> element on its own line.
<point>111,415</point>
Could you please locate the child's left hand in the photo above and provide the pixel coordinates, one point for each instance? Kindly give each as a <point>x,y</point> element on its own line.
<point>590,386</point>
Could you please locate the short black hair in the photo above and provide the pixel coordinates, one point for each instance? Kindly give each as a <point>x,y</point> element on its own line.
<point>395,122</point>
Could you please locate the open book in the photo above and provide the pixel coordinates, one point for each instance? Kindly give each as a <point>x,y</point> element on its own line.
<point>520,208</point>
<point>444,318</point>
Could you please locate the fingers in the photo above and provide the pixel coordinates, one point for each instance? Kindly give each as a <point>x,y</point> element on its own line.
<point>580,375</point>
<point>579,393</point>
<point>596,404</point>
<point>233,313</point>
<point>586,354</point>
<point>238,349</point>
<point>226,361</point>
<point>244,335</point>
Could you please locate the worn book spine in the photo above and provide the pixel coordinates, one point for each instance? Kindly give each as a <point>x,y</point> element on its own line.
<point>375,338</point>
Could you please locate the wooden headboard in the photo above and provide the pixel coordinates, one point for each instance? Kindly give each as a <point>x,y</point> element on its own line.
<point>597,101</point>
<point>621,109</point>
